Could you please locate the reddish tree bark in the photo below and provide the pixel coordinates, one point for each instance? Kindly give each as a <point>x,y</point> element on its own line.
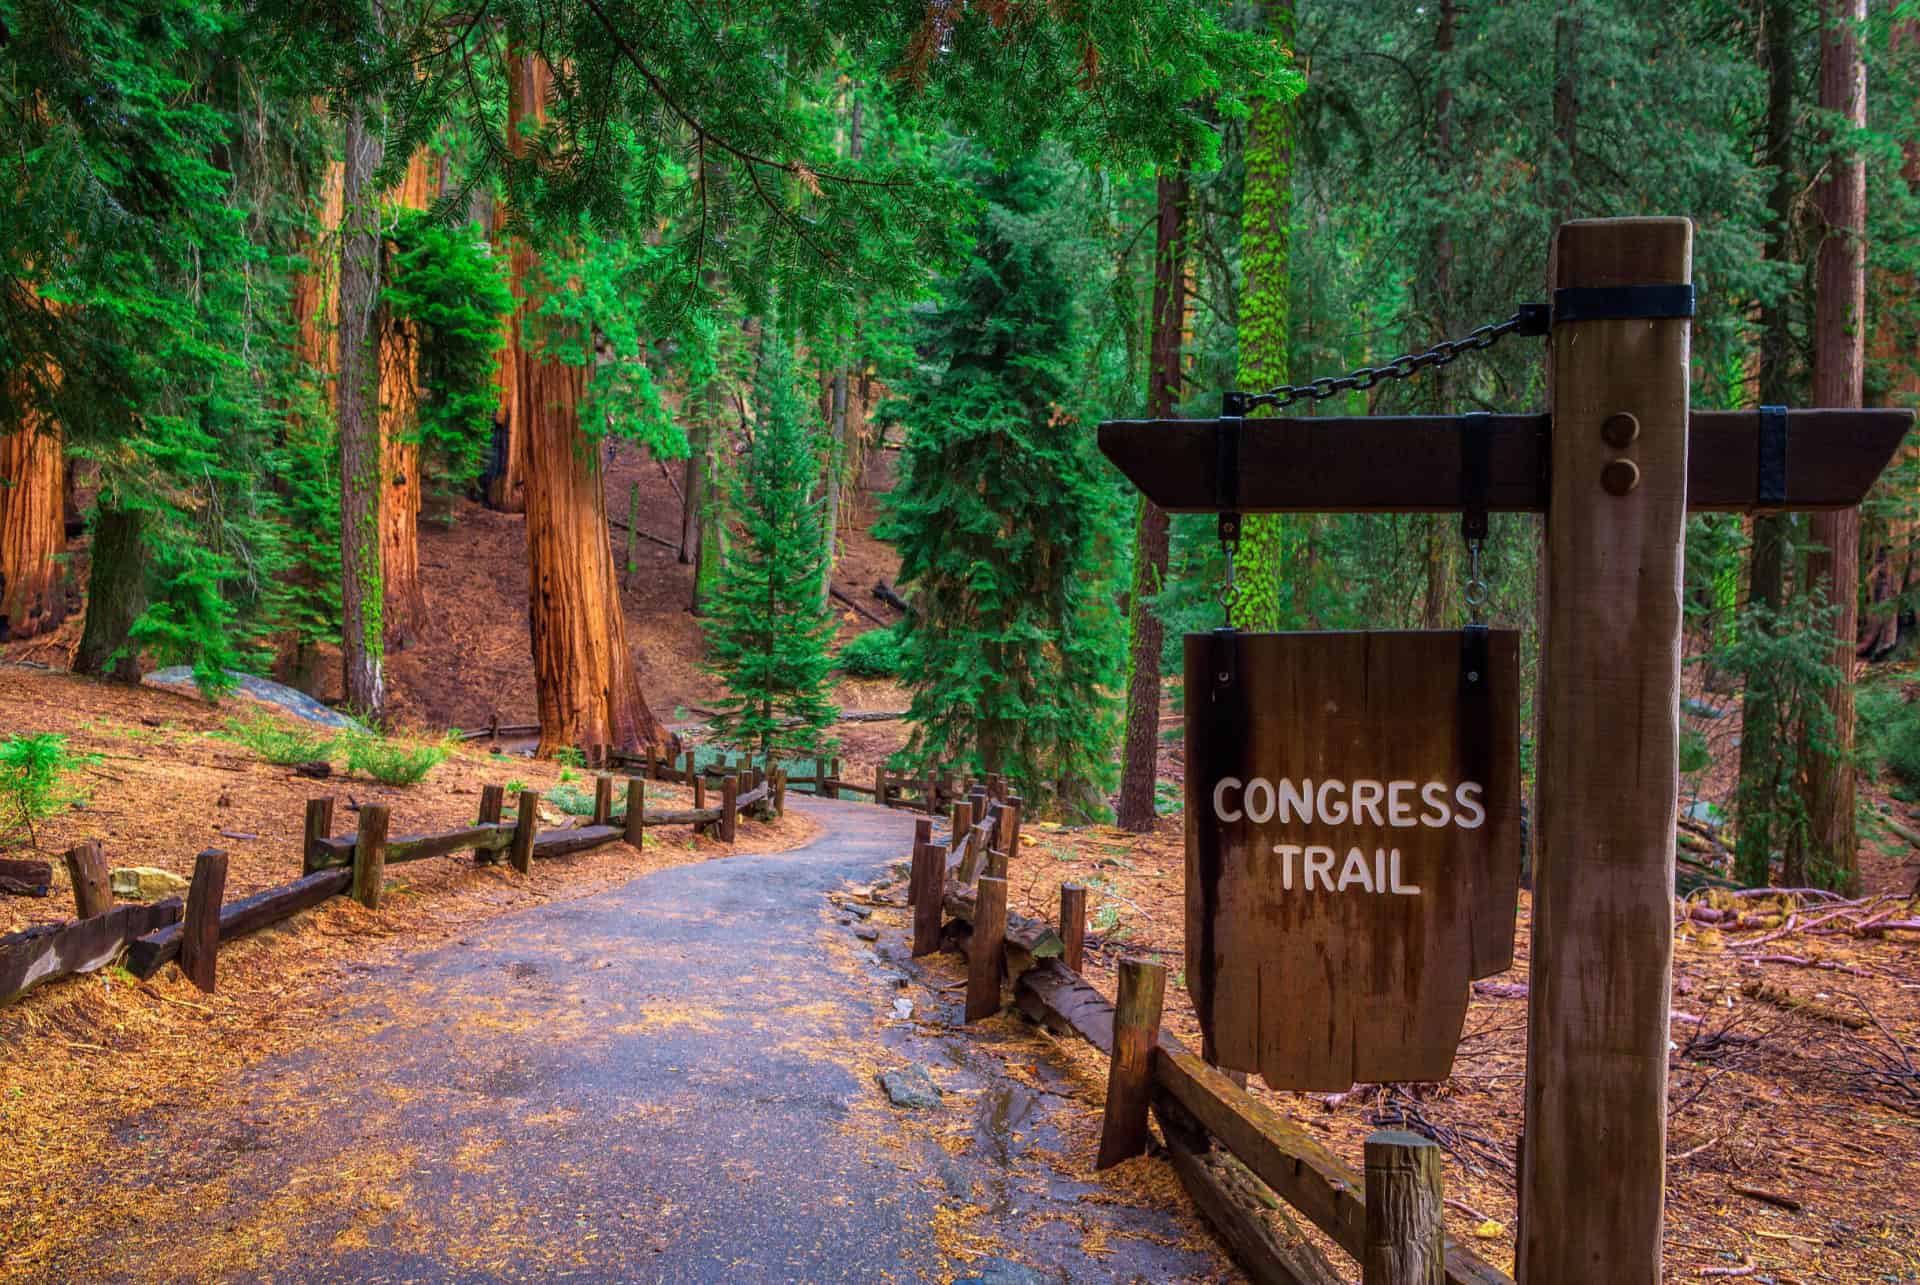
<point>362,639</point>
<point>589,693</point>
<point>32,531</point>
<point>405,604</point>
<point>1135,807</point>
<point>1839,360</point>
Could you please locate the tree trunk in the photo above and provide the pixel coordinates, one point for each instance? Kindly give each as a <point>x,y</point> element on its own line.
<point>361,465</point>
<point>1757,794</point>
<point>504,483</point>
<point>1839,359</point>
<point>1435,603</point>
<point>1140,763</point>
<point>116,594</point>
<point>835,464</point>
<point>589,693</point>
<point>33,531</point>
<point>1265,320</point>
<point>404,603</point>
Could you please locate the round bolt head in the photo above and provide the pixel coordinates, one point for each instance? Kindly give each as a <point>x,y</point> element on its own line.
<point>1619,476</point>
<point>1620,429</point>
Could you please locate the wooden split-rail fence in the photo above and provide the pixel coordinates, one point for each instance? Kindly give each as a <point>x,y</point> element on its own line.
<point>930,794</point>
<point>190,932</point>
<point>1238,1159</point>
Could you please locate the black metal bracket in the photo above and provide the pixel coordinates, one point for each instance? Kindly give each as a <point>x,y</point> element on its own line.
<point>1476,454</point>
<point>1622,303</point>
<point>1773,457</point>
<point>1226,465</point>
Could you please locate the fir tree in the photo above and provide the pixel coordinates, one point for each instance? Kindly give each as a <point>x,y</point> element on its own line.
<point>999,517</point>
<point>769,634</point>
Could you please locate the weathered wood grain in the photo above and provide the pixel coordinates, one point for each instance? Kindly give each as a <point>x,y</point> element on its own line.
<point>493,801</point>
<point>57,950</point>
<point>147,953</point>
<point>87,870</point>
<point>370,855</point>
<point>489,837</point>
<point>1411,463</point>
<point>1406,1214</point>
<point>636,818</point>
<point>319,825</point>
<point>1142,988</point>
<point>1317,988</point>
<point>986,958</point>
<point>26,878</point>
<point>526,825</point>
<point>200,923</point>
<point>560,843</point>
<point>1073,924</point>
<point>1596,1100</point>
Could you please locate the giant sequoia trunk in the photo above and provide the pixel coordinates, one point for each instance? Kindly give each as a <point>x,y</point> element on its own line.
<point>589,693</point>
<point>1839,359</point>
<point>361,465</point>
<point>404,610</point>
<point>1140,762</point>
<point>504,483</point>
<point>33,531</point>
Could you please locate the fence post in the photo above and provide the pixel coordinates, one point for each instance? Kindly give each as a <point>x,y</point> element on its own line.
<point>699,791</point>
<point>200,924</point>
<point>833,791</point>
<point>370,855</point>
<point>1073,924</point>
<point>996,786</point>
<point>526,824</point>
<point>1596,1095</point>
<point>929,890</point>
<point>880,785</point>
<point>977,800</point>
<point>603,800</point>
<point>729,807</point>
<point>1406,1225</point>
<point>997,862</point>
<point>492,799</point>
<point>1010,826</point>
<point>87,870</point>
<point>1136,1030</point>
<point>636,811</point>
<point>779,791</point>
<point>319,826</point>
<point>986,952</point>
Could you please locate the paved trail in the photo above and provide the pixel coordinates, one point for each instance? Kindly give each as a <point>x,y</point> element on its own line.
<point>667,1081</point>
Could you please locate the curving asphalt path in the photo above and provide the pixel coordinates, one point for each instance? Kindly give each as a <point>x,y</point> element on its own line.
<point>667,1081</point>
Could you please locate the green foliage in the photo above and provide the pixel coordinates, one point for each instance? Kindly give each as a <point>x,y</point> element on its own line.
<point>570,799</point>
<point>1695,754</point>
<point>33,781</point>
<point>445,284</point>
<point>279,742</point>
<point>874,654</point>
<point>1790,653</point>
<point>769,634</point>
<point>391,762</point>
<point>1890,731</point>
<point>1000,515</point>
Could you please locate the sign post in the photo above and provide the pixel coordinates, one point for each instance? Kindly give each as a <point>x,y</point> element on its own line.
<point>1616,466</point>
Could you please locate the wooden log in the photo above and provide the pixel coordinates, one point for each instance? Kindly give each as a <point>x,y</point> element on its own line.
<point>491,837</point>
<point>319,825</point>
<point>997,863</point>
<point>780,791</point>
<point>636,824</point>
<point>1010,827</point>
<point>26,878</point>
<point>1073,925</point>
<point>526,826</point>
<point>753,798</point>
<point>699,818</point>
<point>729,808</point>
<point>148,952</point>
<point>1028,941</point>
<point>830,783</point>
<point>1136,1032</point>
<point>51,951</point>
<point>493,800</point>
<point>1596,1095</point>
<point>87,870</point>
<point>986,960</point>
<point>370,855</point>
<point>1288,1158</point>
<point>1406,1215</point>
<point>602,800</point>
<point>957,829</point>
<point>699,792</point>
<point>978,842</point>
<point>560,843</point>
<point>977,801</point>
<point>928,883</point>
<point>880,785</point>
<point>200,925</point>
<point>1242,1209</point>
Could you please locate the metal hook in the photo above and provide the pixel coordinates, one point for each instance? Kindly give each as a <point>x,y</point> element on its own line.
<point>1477,586</point>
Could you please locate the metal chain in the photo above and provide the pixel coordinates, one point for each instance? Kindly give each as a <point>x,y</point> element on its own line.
<point>1531,319</point>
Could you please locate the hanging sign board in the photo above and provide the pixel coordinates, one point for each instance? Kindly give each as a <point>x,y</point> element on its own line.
<point>1353,846</point>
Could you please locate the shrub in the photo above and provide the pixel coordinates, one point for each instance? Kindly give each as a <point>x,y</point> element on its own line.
<point>1695,754</point>
<point>280,743</point>
<point>874,654</point>
<point>33,780</point>
<point>570,799</point>
<point>1890,731</point>
<point>392,762</point>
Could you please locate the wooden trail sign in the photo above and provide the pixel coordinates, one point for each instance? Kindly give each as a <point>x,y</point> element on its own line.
<point>1353,847</point>
<point>1616,464</point>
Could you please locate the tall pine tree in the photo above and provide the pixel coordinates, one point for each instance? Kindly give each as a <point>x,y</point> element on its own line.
<point>769,634</point>
<point>997,517</point>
